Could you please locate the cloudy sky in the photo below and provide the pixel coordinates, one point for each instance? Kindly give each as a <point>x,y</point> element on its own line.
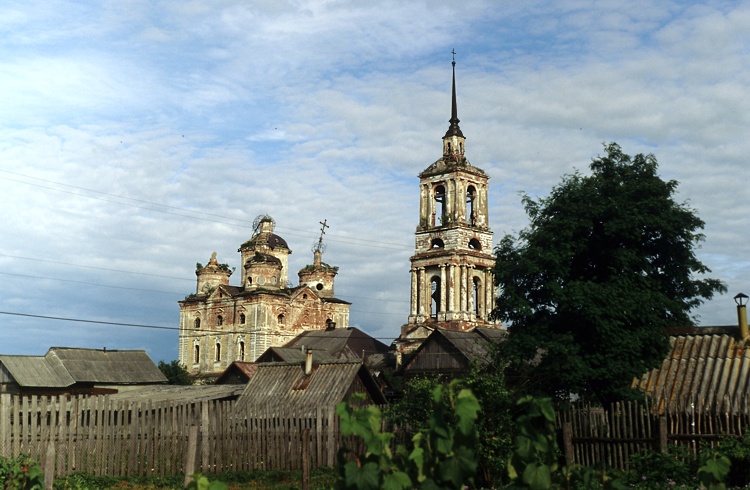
<point>138,137</point>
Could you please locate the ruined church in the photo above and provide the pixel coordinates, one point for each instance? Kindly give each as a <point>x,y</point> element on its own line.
<point>220,323</point>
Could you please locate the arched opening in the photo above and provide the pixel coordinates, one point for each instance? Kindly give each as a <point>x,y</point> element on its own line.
<point>435,297</point>
<point>249,281</point>
<point>219,320</point>
<point>197,323</point>
<point>476,294</point>
<point>280,319</point>
<point>440,205</point>
<point>196,354</point>
<point>474,244</point>
<point>437,243</point>
<point>471,195</point>
<point>241,353</point>
<point>242,318</point>
<point>218,352</point>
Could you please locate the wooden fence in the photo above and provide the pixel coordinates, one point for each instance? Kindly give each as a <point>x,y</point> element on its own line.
<point>102,436</point>
<point>592,436</point>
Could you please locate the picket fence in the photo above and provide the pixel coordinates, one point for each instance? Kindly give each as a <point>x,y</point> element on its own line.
<point>592,436</point>
<point>105,437</point>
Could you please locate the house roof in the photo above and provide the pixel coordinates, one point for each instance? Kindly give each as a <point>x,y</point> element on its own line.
<point>62,367</point>
<point>293,354</point>
<point>284,387</point>
<point>342,343</point>
<point>702,372</point>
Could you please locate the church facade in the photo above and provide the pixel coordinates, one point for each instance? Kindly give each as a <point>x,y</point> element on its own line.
<point>452,284</point>
<point>221,323</point>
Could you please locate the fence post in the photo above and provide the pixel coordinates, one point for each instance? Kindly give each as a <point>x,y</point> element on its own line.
<point>49,465</point>
<point>5,411</point>
<point>567,432</point>
<point>306,459</point>
<point>192,451</point>
<point>663,433</point>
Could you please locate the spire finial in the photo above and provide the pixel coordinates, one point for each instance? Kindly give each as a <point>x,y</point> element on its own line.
<point>320,246</point>
<point>454,129</point>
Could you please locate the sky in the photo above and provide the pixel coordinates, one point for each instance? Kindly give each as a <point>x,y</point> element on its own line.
<point>136,138</point>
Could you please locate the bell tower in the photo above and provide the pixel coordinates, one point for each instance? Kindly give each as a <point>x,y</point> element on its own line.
<point>452,284</point>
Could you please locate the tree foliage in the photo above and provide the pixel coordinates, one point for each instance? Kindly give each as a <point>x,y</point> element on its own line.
<point>176,373</point>
<point>607,262</point>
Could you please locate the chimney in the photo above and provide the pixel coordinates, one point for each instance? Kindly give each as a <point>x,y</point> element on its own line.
<point>308,362</point>
<point>741,300</point>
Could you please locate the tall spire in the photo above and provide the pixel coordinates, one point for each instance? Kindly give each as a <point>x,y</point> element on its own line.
<point>454,129</point>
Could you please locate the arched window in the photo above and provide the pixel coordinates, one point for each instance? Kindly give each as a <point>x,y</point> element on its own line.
<point>241,350</point>
<point>218,352</point>
<point>280,319</point>
<point>471,195</point>
<point>435,301</point>
<point>196,354</point>
<point>476,296</point>
<point>219,320</point>
<point>440,204</point>
<point>197,323</point>
<point>242,318</point>
<point>437,243</point>
<point>474,244</point>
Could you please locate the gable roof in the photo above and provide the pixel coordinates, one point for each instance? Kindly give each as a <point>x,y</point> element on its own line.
<point>284,387</point>
<point>342,343</point>
<point>62,367</point>
<point>463,347</point>
<point>293,354</point>
<point>701,372</point>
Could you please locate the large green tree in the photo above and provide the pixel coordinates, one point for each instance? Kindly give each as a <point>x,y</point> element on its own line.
<point>606,263</point>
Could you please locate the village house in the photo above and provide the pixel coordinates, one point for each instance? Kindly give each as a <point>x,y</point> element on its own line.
<point>220,323</point>
<point>74,371</point>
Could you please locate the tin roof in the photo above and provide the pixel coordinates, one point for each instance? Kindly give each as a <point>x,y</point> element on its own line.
<point>703,373</point>
<point>343,343</point>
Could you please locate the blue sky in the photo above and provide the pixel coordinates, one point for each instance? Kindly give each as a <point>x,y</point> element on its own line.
<point>136,138</point>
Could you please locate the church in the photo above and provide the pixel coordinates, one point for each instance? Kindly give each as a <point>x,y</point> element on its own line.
<point>452,283</point>
<point>220,324</point>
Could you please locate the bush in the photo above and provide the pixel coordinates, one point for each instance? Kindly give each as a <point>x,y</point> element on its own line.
<point>20,473</point>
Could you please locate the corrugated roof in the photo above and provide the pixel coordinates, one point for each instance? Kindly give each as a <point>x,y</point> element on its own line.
<point>36,372</point>
<point>293,354</point>
<point>107,366</point>
<point>283,387</point>
<point>702,373</point>
<point>62,367</point>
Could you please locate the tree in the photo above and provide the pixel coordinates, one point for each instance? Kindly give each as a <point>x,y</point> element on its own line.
<point>176,373</point>
<point>605,265</point>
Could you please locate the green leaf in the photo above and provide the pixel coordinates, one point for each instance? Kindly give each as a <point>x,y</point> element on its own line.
<point>537,477</point>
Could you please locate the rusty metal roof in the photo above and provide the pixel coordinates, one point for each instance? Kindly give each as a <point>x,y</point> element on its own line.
<point>708,373</point>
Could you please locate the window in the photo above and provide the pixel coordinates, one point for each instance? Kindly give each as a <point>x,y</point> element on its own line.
<point>220,320</point>
<point>242,318</point>
<point>476,296</point>
<point>435,303</point>
<point>242,350</point>
<point>196,354</point>
<point>474,244</point>
<point>471,195</point>
<point>218,352</point>
<point>437,243</point>
<point>440,204</point>
<point>319,287</point>
<point>197,323</point>
<point>280,319</point>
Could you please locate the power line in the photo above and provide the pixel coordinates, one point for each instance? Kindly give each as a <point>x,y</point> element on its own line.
<point>91,283</point>
<point>193,333</point>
